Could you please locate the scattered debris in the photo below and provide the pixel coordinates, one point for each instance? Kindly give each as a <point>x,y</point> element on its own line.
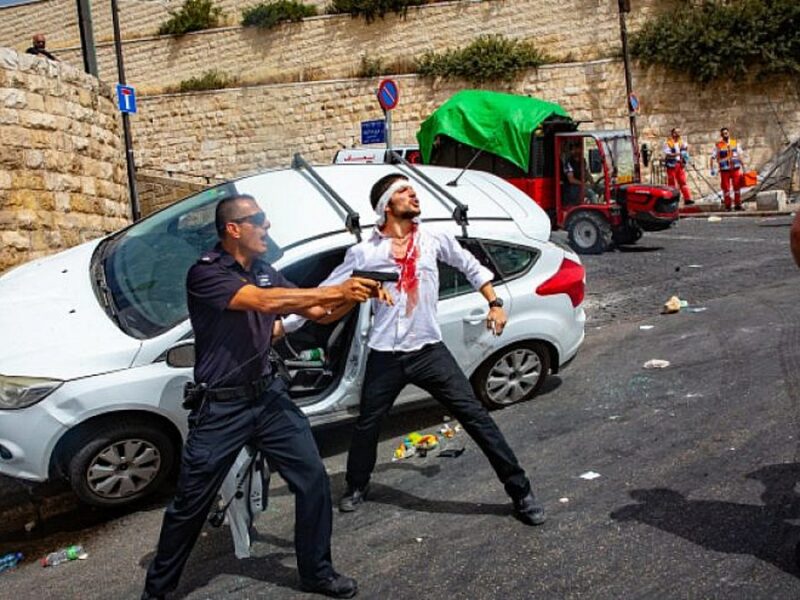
<point>418,540</point>
<point>614,417</point>
<point>646,327</point>
<point>30,525</point>
<point>451,453</point>
<point>694,266</point>
<point>65,554</point>
<point>671,306</point>
<point>697,309</point>
<point>415,443</point>
<point>10,560</point>
<point>563,500</point>
<point>656,363</point>
<point>714,219</point>
<point>447,431</point>
<point>589,475</point>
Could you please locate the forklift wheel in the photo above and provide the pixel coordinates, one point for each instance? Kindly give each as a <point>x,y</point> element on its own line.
<point>589,233</point>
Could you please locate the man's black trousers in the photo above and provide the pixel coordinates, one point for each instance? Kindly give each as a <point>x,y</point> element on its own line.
<point>433,369</point>
<point>218,431</point>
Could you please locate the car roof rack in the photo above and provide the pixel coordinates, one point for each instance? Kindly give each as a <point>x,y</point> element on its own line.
<point>460,210</point>
<point>353,220</point>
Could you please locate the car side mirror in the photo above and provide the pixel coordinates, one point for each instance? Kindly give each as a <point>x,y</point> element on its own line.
<point>645,155</point>
<point>595,164</point>
<point>181,355</point>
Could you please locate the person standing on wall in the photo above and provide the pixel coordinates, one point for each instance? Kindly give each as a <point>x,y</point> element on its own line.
<point>676,157</point>
<point>406,345</point>
<point>728,156</point>
<point>234,298</point>
<point>38,47</point>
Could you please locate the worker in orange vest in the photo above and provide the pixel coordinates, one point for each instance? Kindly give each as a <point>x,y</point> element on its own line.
<point>728,156</point>
<point>676,155</point>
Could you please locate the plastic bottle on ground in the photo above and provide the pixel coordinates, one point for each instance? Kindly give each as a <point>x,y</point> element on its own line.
<point>63,555</point>
<point>10,560</point>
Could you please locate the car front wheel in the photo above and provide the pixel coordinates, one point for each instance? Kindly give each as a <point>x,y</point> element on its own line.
<point>121,463</point>
<point>515,374</point>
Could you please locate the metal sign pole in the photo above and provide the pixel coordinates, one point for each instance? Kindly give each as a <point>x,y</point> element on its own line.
<point>87,37</point>
<point>388,114</point>
<point>126,126</point>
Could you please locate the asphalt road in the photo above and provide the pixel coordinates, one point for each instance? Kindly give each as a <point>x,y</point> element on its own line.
<point>698,462</point>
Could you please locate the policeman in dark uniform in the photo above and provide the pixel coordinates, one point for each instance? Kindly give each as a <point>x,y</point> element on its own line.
<point>233,300</point>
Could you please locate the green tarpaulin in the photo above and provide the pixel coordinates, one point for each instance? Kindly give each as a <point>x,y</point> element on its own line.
<point>498,123</point>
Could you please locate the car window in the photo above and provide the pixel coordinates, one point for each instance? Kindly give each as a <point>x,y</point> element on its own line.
<point>452,282</point>
<point>506,261</point>
<point>141,272</point>
<point>511,260</point>
<point>310,271</point>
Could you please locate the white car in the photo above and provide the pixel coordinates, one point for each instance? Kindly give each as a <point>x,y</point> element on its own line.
<point>87,390</point>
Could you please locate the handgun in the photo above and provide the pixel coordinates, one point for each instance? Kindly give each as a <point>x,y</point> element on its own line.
<point>378,276</point>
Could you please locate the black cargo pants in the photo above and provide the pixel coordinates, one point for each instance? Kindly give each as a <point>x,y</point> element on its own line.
<point>434,369</point>
<point>218,431</point>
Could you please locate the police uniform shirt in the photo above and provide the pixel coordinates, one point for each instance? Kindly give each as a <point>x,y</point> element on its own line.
<point>231,346</point>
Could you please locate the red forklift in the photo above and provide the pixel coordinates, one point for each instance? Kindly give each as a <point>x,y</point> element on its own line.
<point>585,180</point>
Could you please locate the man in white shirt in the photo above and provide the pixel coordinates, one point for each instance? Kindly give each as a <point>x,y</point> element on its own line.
<point>406,343</point>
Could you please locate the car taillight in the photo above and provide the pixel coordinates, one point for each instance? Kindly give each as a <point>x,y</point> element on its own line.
<point>567,280</point>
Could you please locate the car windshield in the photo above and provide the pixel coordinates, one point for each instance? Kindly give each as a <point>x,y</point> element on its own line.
<point>140,273</point>
<point>619,158</point>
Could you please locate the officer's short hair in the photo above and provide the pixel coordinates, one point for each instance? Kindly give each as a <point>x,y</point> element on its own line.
<point>382,185</point>
<point>226,212</point>
<point>721,129</point>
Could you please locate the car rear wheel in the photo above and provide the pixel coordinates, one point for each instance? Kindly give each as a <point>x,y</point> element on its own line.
<point>589,233</point>
<point>515,374</point>
<point>121,463</point>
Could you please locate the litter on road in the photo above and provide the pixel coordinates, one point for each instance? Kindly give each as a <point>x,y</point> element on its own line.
<point>415,443</point>
<point>656,363</point>
<point>451,453</point>
<point>714,219</point>
<point>646,327</point>
<point>589,475</point>
<point>563,500</point>
<point>671,306</point>
<point>697,309</point>
<point>64,555</point>
<point>694,266</point>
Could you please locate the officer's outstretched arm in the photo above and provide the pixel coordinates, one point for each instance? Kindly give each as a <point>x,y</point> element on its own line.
<point>293,300</point>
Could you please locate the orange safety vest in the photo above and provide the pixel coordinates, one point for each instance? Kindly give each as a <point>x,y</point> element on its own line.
<point>728,155</point>
<point>672,151</point>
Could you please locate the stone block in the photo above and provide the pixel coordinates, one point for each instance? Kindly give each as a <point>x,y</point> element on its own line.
<point>771,200</point>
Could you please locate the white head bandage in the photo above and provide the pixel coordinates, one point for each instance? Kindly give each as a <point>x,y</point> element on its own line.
<point>383,201</point>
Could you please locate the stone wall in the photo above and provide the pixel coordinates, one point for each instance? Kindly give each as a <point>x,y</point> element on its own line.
<point>156,192</point>
<point>332,46</point>
<point>58,19</point>
<point>238,131</point>
<point>62,167</point>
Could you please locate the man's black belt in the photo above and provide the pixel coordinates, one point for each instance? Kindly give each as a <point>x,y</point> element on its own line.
<point>251,389</point>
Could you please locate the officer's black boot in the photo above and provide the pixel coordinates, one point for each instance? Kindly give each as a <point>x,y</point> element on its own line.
<point>353,498</point>
<point>335,586</point>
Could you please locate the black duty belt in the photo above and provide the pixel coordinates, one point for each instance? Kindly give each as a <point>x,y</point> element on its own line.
<point>251,389</point>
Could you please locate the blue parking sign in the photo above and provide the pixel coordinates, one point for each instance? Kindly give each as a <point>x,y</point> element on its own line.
<point>373,132</point>
<point>126,98</point>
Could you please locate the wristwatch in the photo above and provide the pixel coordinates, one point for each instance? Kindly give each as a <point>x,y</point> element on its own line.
<point>496,303</point>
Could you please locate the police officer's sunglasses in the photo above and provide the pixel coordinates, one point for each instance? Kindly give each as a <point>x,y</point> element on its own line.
<point>256,219</point>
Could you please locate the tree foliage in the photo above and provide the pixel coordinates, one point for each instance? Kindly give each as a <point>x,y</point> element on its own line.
<point>270,14</point>
<point>488,58</point>
<point>194,15</point>
<point>372,9</point>
<point>716,39</point>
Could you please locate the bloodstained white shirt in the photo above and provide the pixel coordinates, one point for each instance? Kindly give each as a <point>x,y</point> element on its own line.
<point>395,328</point>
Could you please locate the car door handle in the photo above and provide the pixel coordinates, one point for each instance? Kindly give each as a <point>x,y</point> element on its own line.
<point>474,319</point>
